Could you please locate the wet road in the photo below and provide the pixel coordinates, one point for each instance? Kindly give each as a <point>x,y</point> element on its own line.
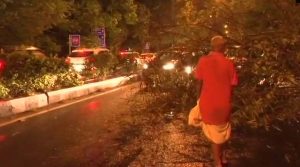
<point>62,138</point>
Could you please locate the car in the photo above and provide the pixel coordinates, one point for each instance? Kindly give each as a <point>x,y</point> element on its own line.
<point>79,58</point>
<point>171,61</point>
<point>236,55</point>
<point>28,50</point>
<point>127,61</point>
<point>32,50</point>
<point>145,58</point>
<point>35,51</point>
<point>128,56</point>
<point>179,61</point>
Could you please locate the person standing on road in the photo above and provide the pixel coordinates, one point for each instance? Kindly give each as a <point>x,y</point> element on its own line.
<point>218,76</point>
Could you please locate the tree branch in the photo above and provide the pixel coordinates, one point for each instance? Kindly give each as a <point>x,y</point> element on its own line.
<point>218,32</point>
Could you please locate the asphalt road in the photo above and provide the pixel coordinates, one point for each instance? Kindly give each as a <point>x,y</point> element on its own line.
<point>67,137</point>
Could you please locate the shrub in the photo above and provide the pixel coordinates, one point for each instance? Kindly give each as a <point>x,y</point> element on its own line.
<point>28,75</point>
<point>68,79</point>
<point>28,65</point>
<point>178,89</point>
<point>126,66</point>
<point>4,91</point>
<point>44,82</point>
<point>104,63</point>
<point>269,85</point>
<point>100,67</point>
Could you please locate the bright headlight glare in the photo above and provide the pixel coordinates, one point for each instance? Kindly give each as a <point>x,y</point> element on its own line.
<point>169,66</point>
<point>78,67</point>
<point>145,66</point>
<point>188,69</point>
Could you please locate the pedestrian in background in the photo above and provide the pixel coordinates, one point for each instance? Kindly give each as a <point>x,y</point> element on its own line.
<point>218,76</point>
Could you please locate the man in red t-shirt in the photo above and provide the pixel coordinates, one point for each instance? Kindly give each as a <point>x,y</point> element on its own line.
<point>218,76</point>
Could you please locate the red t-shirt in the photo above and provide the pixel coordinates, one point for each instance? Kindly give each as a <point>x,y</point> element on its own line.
<point>218,75</point>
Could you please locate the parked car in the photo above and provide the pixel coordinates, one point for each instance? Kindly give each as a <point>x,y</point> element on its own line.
<point>128,57</point>
<point>79,58</point>
<point>32,50</point>
<point>127,61</point>
<point>145,58</point>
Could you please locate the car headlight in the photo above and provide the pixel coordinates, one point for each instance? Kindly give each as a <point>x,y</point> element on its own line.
<point>169,66</point>
<point>145,66</point>
<point>188,69</point>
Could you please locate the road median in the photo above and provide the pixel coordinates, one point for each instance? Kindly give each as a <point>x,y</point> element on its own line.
<point>24,104</point>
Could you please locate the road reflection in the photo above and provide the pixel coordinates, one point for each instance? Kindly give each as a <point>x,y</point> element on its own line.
<point>3,138</point>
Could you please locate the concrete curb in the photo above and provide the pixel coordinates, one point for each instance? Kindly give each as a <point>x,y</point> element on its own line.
<point>15,106</point>
<point>20,105</point>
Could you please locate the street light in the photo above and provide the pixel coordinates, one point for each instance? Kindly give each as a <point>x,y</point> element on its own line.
<point>225,26</point>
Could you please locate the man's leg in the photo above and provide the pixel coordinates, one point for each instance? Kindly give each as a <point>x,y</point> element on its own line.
<point>217,154</point>
<point>223,155</point>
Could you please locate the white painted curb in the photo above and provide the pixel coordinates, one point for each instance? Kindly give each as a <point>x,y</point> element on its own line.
<point>71,93</point>
<point>20,105</point>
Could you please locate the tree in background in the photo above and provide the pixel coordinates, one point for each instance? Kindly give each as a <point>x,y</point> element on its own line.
<point>161,19</point>
<point>139,34</point>
<point>118,17</point>
<point>83,18</point>
<point>47,24</point>
<point>22,21</point>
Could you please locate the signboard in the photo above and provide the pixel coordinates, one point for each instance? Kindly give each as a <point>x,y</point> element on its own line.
<point>101,35</point>
<point>74,40</point>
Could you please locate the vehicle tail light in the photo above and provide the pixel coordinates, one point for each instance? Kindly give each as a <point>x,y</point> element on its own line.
<point>2,65</point>
<point>122,55</point>
<point>68,60</point>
